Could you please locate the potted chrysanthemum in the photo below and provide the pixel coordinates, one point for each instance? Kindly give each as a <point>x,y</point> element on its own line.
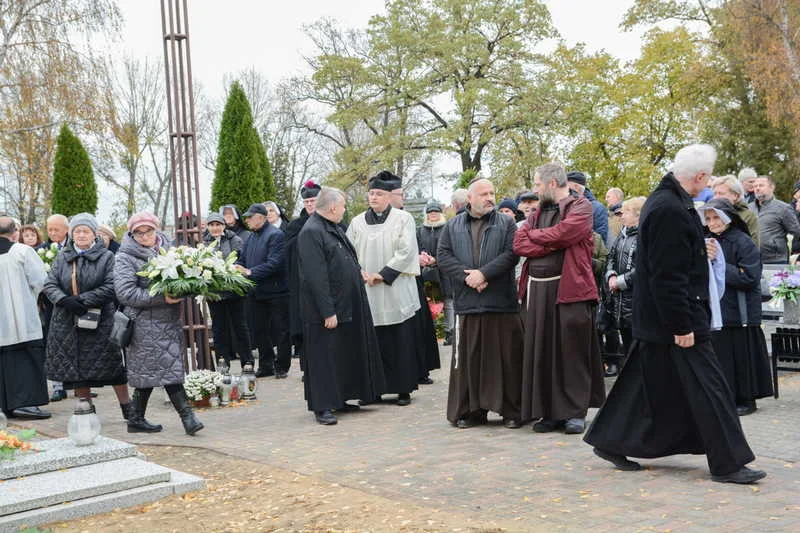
<point>785,287</point>
<point>200,385</point>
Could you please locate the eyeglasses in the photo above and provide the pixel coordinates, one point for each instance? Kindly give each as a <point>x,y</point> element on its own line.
<point>144,233</point>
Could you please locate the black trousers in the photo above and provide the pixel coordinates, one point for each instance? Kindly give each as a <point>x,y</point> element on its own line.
<point>271,328</point>
<point>229,327</point>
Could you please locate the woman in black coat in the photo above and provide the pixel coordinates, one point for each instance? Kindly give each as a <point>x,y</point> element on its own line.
<point>229,325</point>
<point>740,345</point>
<point>84,358</point>
<point>620,275</point>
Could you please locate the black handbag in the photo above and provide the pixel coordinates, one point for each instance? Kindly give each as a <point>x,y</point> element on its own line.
<point>121,330</point>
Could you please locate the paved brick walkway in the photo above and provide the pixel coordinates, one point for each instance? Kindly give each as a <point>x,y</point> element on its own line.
<point>514,478</point>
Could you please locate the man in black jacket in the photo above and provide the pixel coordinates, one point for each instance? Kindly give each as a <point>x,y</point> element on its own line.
<point>343,361</point>
<point>308,193</point>
<point>486,369</point>
<point>671,396</point>
<point>263,261</point>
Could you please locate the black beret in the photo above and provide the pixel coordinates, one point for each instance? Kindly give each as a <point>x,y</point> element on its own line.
<point>577,177</point>
<point>309,190</point>
<point>385,181</point>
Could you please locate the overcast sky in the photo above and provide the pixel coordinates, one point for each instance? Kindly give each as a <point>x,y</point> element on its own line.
<point>229,36</point>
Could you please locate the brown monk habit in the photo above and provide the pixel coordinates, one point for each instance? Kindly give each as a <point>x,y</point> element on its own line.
<point>562,370</point>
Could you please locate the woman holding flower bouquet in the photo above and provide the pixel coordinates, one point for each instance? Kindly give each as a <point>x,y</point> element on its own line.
<point>80,286</point>
<point>155,355</point>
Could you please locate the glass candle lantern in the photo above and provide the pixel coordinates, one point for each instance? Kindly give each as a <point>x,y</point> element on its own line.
<point>84,426</point>
<point>248,383</point>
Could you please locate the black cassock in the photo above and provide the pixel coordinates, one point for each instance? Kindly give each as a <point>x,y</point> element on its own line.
<point>343,363</point>
<point>428,346</point>
<point>22,382</point>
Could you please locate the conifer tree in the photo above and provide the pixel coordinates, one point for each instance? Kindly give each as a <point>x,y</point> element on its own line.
<point>74,188</point>
<point>238,177</point>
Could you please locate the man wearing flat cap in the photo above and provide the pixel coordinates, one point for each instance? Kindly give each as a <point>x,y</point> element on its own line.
<point>577,184</point>
<point>308,193</point>
<point>386,244</point>
<point>263,261</point>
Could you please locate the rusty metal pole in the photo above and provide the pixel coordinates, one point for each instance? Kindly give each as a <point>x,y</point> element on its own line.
<point>183,162</point>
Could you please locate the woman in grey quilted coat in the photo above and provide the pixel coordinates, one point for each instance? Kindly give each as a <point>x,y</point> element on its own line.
<point>155,355</point>
<point>84,358</point>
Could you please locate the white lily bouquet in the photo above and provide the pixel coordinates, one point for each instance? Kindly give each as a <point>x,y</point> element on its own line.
<point>184,271</point>
<point>48,256</point>
<point>200,384</point>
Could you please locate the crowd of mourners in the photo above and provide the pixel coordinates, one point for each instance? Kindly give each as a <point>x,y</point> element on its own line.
<point>544,295</point>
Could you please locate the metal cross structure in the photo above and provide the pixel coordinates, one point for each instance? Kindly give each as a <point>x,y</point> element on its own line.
<point>183,163</point>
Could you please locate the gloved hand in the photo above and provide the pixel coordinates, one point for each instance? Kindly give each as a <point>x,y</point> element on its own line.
<point>73,305</point>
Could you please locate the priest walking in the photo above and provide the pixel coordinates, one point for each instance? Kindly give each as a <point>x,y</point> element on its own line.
<point>386,243</point>
<point>486,368</point>
<point>562,372</point>
<point>343,359</point>
<point>672,396</point>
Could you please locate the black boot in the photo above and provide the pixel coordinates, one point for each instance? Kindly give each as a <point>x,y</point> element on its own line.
<point>136,409</point>
<point>181,404</point>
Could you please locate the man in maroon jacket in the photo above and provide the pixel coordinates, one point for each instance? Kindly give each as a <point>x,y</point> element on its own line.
<point>562,372</point>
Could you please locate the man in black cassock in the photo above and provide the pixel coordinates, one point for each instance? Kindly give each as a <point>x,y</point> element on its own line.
<point>343,360</point>
<point>427,345</point>
<point>671,396</point>
<point>308,193</point>
<point>486,368</point>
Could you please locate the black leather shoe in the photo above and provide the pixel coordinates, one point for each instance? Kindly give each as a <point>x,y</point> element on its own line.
<point>265,374</point>
<point>611,370</point>
<point>620,462</point>
<point>546,426</point>
<point>58,395</point>
<point>746,409</point>
<point>510,423</point>
<point>325,418</point>
<point>575,426</point>
<point>348,407</point>
<point>32,413</point>
<point>743,476</point>
<point>466,422</point>
<point>403,399</point>
<point>425,381</point>
<point>281,375</point>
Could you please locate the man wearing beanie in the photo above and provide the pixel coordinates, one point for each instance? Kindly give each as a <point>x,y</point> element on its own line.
<point>308,193</point>
<point>386,244</point>
<point>508,207</point>
<point>577,184</point>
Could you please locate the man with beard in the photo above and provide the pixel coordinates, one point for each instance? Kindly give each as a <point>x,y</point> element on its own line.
<point>308,193</point>
<point>671,396</point>
<point>427,345</point>
<point>343,360</point>
<point>384,239</point>
<point>486,369</point>
<point>562,371</point>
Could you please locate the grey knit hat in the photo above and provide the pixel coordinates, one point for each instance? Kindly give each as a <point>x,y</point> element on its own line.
<point>433,205</point>
<point>215,217</point>
<point>83,219</point>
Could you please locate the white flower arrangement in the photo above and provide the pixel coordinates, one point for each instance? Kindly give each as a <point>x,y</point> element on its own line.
<point>48,256</point>
<point>200,384</point>
<point>203,271</point>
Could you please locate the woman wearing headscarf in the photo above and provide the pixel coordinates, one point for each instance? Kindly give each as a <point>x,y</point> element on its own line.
<point>155,355</point>
<point>81,287</point>
<point>275,216</point>
<point>740,345</point>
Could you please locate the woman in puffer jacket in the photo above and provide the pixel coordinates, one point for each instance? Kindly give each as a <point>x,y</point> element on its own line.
<point>155,355</point>
<point>82,278</point>
<point>621,274</point>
